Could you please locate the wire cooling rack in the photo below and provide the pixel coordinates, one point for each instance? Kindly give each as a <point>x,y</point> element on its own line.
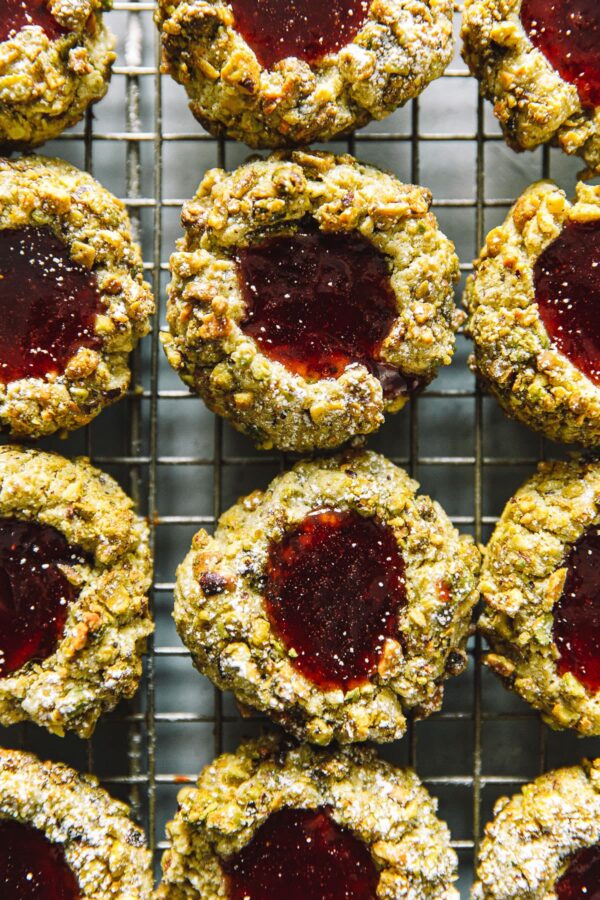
<point>184,467</point>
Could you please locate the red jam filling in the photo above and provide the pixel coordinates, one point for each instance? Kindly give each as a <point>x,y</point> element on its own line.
<point>318,302</point>
<point>18,14</point>
<point>306,29</point>
<point>335,586</point>
<point>48,305</point>
<point>582,878</point>
<point>567,32</point>
<point>34,592</point>
<point>33,868</point>
<point>302,854</point>
<point>577,613</point>
<point>567,291</point>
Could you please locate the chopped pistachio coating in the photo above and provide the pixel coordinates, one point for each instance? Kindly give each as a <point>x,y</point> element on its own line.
<point>531,379</point>
<point>385,807</point>
<point>403,45</point>
<point>532,101</point>
<point>46,85</point>
<point>221,616</point>
<point>49,193</point>
<point>98,660</point>
<point>529,843</point>
<point>206,344</point>
<point>103,848</point>
<point>522,580</point>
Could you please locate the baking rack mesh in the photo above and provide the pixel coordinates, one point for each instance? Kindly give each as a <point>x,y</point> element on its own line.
<point>184,467</point>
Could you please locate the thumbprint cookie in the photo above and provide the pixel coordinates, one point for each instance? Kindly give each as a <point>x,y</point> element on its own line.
<point>73,302</point>
<point>541,587</point>
<point>335,601</point>
<point>276,74</point>
<point>55,60</point>
<point>539,64</point>
<point>327,825</point>
<point>545,841</point>
<point>75,568</point>
<point>310,296</point>
<point>64,838</point>
<point>534,313</point>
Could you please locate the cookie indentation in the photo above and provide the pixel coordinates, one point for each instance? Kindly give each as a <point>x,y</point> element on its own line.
<point>318,302</point>
<point>32,867</point>
<point>567,291</point>
<point>35,592</point>
<point>304,29</point>
<point>567,32</point>
<point>302,854</point>
<point>335,586</point>
<point>582,878</point>
<point>577,613</point>
<point>48,305</point>
<point>18,14</point>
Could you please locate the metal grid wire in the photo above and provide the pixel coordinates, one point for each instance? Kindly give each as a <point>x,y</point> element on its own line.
<point>184,467</point>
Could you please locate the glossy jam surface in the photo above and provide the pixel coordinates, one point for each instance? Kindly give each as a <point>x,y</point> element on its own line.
<point>318,302</point>
<point>335,586</point>
<point>567,290</point>
<point>33,868</point>
<point>48,305</point>
<point>577,613</point>
<point>568,34</point>
<point>300,854</point>
<point>34,592</point>
<point>18,14</point>
<point>581,881</point>
<point>306,29</point>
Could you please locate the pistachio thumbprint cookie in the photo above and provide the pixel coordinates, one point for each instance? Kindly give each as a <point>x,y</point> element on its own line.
<point>541,586</point>
<point>75,568</point>
<point>311,295</point>
<point>55,60</point>
<point>275,74</point>
<point>534,304</point>
<point>335,601</point>
<point>275,820</point>
<point>545,841</point>
<point>539,63</point>
<point>64,838</point>
<point>73,303</point>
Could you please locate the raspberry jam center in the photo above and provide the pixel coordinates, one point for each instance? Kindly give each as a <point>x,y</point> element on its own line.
<point>34,592</point>
<point>577,613</point>
<point>18,14</point>
<point>32,867</point>
<point>567,290</point>
<point>335,586</point>
<point>318,302</point>
<point>567,32</point>
<point>302,854</point>
<point>48,305</point>
<point>306,29</point>
<point>582,878</point>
